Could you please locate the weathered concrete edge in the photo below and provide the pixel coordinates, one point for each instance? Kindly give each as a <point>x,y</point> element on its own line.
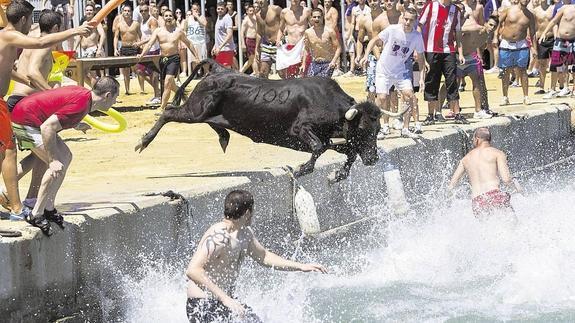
<point>43,278</point>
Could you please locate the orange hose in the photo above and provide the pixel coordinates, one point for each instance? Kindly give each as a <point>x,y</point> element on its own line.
<point>105,11</point>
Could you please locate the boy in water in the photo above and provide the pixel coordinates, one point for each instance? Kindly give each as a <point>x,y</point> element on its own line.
<point>215,266</point>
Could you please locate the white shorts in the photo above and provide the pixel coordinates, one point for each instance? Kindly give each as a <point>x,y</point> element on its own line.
<point>383,83</point>
<point>27,137</point>
<point>202,50</point>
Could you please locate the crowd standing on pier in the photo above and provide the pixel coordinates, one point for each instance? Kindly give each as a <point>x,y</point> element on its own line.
<point>401,47</point>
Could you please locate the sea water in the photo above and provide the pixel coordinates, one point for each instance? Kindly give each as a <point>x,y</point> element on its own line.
<point>436,264</point>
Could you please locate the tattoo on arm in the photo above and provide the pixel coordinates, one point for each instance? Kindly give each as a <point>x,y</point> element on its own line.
<point>218,238</point>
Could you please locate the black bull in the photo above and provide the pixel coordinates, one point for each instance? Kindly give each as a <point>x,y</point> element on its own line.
<point>301,114</point>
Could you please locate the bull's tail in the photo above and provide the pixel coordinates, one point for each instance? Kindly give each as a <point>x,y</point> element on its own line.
<point>180,92</point>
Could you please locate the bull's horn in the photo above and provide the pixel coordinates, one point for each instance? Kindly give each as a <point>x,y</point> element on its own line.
<point>350,114</point>
<point>395,114</point>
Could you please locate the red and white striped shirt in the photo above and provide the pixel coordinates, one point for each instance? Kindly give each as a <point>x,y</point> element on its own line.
<point>439,26</point>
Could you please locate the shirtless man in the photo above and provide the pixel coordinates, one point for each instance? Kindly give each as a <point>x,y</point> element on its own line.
<point>543,13</point>
<point>360,16</point>
<point>331,15</point>
<point>475,37</point>
<point>215,266</point>
<point>169,37</point>
<point>12,37</point>
<point>268,26</point>
<point>248,39</point>
<point>516,23</point>
<point>128,31</point>
<point>366,30</point>
<point>322,45</point>
<point>486,166</point>
<point>35,64</point>
<point>293,23</point>
<point>93,45</point>
<point>146,72</point>
<point>563,53</point>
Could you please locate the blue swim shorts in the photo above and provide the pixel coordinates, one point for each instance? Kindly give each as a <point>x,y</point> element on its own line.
<point>509,58</point>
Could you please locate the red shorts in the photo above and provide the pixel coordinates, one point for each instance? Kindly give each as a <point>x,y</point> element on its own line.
<point>491,201</point>
<point>6,135</point>
<point>226,58</point>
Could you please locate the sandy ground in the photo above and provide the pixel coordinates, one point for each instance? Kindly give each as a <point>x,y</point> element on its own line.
<point>107,169</point>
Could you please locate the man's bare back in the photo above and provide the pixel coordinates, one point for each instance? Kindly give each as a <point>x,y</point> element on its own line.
<point>483,164</point>
<point>35,62</point>
<point>222,268</point>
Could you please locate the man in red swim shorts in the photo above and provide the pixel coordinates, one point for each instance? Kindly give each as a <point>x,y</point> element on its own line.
<point>486,166</point>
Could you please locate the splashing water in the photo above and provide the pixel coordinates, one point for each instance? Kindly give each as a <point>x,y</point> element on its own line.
<point>437,265</point>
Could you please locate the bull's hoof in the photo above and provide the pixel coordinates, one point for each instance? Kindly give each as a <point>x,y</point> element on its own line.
<point>140,146</point>
<point>337,176</point>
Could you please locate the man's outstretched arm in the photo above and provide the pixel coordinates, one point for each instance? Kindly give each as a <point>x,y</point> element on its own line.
<point>269,259</point>
<point>459,172</point>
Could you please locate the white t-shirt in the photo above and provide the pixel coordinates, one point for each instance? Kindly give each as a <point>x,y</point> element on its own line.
<point>398,47</point>
<point>221,29</point>
<point>357,11</point>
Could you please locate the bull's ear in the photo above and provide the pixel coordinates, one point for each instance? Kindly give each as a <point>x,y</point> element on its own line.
<point>350,114</point>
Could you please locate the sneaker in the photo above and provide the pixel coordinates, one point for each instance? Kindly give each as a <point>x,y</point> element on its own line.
<point>538,83</point>
<point>154,101</point>
<point>429,120</point>
<point>397,124</point>
<point>491,113</point>
<point>460,119</point>
<point>25,212</point>
<point>445,106</point>
<point>540,92</point>
<point>40,222</point>
<point>482,114</point>
<point>551,94</point>
<point>515,84</point>
<point>564,92</point>
<point>405,133</point>
<point>418,129</point>
<point>504,101</point>
<point>492,70</point>
<point>462,88</point>
<point>54,216</point>
<point>533,73</point>
<point>384,131</point>
<point>526,100</point>
<point>439,117</point>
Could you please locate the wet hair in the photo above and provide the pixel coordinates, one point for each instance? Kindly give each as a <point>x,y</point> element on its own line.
<point>48,19</point>
<point>221,4</point>
<point>106,84</point>
<point>494,18</point>
<point>237,203</point>
<point>18,9</point>
<point>483,134</point>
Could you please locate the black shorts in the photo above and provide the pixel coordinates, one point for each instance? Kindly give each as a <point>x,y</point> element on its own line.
<point>12,101</point>
<point>441,64</point>
<point>170,65</point>
<point>129,51</point>
<point>202,310</point>
<point>545,48</point>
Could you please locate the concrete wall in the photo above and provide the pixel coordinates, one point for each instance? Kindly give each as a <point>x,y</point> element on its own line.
<point>69,274</point>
